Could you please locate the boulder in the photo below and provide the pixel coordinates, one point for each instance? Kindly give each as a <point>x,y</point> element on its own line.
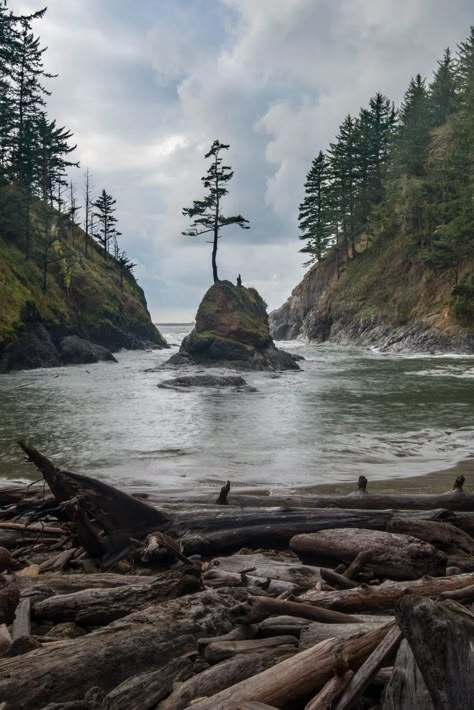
<point>31,348</point>
<point>234,381</point>
<point>232,330</point>
<point>78,351</point>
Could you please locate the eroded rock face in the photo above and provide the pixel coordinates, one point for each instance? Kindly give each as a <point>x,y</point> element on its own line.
<point>232,330</point>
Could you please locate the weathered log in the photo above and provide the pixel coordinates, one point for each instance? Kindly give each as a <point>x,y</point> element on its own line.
<point>216,578</point>
<point>258,565</point>
<point>316,632</point>
<point>326,697</point>
<point>337,580</point>
<point>386,595</point>
<point>463,596</point>
<point>257,609</point>
<point>441,636</point>
<point>143,641</point>
<point>442,535</point>
<point>282,625</point>
<point>97,607</point>
<point>9,598</point>
<point>22,621</point>
<point>49,584</point>
<point>293,680</point>
<point>406,687</point>
<point>395,556</point>
<point>238,633</point>
<point>211,533</point>
<point>221,650</point>
<point>5,639</point>
<point>362,678</point>
<point>5,559</point>
<point>145,690</point>
<point>356,565</point>
<point>219,677</point>
<point>84,499</point>
<point>455,499</point>
<point>13,539</point>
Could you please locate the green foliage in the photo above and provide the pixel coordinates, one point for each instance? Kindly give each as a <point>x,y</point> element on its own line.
<point>463,301</point>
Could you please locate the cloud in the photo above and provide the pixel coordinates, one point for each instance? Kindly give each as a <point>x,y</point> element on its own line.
<point>147,87</point>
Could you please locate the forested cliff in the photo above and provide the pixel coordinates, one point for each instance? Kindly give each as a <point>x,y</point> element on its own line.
<point>56,279</point>
<point>388,221</point>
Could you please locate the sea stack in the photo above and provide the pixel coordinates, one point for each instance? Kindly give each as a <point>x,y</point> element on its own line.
<point>232,330</point>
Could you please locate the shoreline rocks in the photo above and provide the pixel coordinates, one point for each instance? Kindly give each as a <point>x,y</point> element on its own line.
<point>235,382</point>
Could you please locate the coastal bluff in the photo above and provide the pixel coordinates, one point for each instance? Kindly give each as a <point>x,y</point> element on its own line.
<point>232,330</point>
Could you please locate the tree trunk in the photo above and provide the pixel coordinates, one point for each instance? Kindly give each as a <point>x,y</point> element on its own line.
<point>215,275</point>
<point>385,596</point>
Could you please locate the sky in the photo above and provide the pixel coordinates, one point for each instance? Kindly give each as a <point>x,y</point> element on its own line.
<point>147,86</point>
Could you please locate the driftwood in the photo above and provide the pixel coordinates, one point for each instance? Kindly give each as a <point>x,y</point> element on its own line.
<point>394,556</point>
<point>48,584</point>
<point>145,690</point>
<point>9,598</point>
<point>455,499</point>
<point>363,676</point>
<point>221,650</point>
<point>143,641</point>
<point>5,639</point>
<point>406,687</point>
<point>326,697</point>
<point>256,609</point>
<point>340,581</point>
<point>464,596</point>
<point>215,578</point>
<point>282,625</point>
<point>316,632</point>
<point>97,607</point>
<point>22,620</point>
<point>442,535</point>
<point>297,677</point>
<point>258,565</point>
<point>356,565</point>
<point>441,636</point>
<point>386,595</point>
<point>219,677</point>
<point>82,499</point>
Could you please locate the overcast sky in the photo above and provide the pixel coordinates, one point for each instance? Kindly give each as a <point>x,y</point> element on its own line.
<point>146,86</point>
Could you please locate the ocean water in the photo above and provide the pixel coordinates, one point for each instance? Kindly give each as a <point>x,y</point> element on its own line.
<point>349,411</point>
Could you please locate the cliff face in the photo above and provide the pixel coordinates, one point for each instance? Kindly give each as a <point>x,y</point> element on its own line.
<point>383,298</point>
<point>91,300</point>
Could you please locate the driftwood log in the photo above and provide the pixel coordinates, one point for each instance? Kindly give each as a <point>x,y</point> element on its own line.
<point>298,677</point>
<point>141,642</point>
<point>441,638</point>
<point>394,556</point>
<point>98,607</point>
<point>406,687</point>
<point>385,596</point>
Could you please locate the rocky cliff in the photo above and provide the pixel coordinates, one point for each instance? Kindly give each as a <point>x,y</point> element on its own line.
<point>91,300</point>
<point>384,297</point>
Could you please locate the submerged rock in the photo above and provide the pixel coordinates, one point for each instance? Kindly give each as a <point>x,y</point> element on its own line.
<point>74,350</point>
<point>234,381</point>
<point>232,330</point>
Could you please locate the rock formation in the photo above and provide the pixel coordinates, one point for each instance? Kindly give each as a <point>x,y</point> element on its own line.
<point>232,331</point>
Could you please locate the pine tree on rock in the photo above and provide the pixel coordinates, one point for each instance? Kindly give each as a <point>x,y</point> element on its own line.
<point>207,213</point>
<point>105,208</point>
<point>314,212</point>
<point>344,183</point>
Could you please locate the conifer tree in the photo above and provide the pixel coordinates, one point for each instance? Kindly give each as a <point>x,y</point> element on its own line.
<point>442,91</point>
<point>343,175</point>
<point>207,213</point>
<point>314,212</point>
<point>105,208</point>
<point>126,266</point>
<point>414,130</point>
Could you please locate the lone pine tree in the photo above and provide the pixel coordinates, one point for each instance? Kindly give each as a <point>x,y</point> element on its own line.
<point>206,213</point>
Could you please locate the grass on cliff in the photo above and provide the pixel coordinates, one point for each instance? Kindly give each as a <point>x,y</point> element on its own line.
<point>94,297</point>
